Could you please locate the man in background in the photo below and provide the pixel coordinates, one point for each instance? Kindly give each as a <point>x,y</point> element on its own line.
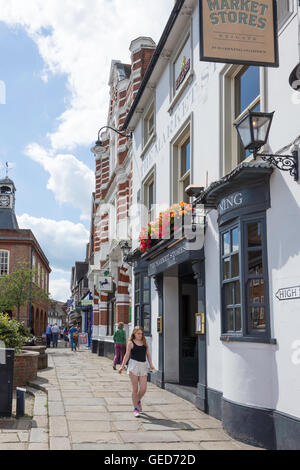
<point>48,335</point>
<point>55,332</point>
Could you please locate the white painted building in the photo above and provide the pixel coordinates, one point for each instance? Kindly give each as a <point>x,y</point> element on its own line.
<point>245,369</point>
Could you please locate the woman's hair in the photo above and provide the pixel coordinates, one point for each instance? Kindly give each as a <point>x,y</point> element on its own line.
<point>120,325</point>
<point>136,329</point>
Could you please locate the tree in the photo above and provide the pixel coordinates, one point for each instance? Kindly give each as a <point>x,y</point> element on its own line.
<point>19,288</point>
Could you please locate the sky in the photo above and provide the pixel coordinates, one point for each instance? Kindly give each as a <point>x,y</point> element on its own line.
<point>55,59</point>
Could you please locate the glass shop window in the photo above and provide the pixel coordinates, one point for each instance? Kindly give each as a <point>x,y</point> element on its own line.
<point>245,308</point>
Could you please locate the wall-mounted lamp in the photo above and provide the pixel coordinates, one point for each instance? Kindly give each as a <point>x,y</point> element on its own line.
<point>294,79</point>
<point>254,130</point>
<point>126,248</point>
<point>99,142</point>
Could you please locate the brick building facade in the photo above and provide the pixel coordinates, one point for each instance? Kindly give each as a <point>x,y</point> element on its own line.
<point>17,246</point>
<point>112,199</point>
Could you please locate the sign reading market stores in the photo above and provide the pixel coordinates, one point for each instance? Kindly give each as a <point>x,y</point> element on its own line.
<point>239,32</point>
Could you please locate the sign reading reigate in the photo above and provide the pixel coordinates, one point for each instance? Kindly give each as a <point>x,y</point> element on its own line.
<point>239,32</point>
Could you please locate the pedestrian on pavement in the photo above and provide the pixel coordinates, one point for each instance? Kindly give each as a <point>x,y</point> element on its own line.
<point>66,337</point>
<point>137,351</point>
<point>74,337</point>
<point>55,332</point>
<point>48,335</point>
<point>120,344</point>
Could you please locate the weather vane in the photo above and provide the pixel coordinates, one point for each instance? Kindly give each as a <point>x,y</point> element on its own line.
<point>7,169</point>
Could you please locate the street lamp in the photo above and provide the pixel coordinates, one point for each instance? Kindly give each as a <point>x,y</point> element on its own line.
<point>125,248</point>
<point>253,130</point>
<point>99,142</point>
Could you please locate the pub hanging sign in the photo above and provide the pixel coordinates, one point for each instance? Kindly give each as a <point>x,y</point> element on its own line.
<point>239,32</point>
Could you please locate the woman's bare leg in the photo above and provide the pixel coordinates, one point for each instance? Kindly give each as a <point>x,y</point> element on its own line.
<point>135,389</point>
<point>143,387</point>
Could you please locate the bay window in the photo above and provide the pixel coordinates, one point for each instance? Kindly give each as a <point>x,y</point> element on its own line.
<point>244,279</point>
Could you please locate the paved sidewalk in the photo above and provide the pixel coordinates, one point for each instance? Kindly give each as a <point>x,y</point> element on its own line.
<point>25,433</point>
<point>90,408</point>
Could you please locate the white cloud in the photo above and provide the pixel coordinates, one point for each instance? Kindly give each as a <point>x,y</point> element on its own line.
<point>71,181</point>
<point>60,289</point>
<point>63,242</point>
<point>80,38</point>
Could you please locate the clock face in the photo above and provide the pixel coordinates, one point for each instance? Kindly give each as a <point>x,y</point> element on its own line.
<point>4,201</point>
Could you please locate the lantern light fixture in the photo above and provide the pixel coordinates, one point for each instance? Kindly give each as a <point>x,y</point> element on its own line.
<point>253,130</point>
<point>99,142</point>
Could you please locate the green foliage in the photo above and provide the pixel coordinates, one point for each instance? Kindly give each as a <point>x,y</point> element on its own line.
<point>12,333</point>
<point>19,288</point>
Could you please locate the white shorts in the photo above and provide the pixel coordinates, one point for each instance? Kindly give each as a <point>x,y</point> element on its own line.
<point>139,369</point>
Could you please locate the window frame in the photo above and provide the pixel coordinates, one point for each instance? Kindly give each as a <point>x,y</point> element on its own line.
<point>7,252</point>
<point>247,333</point>
<point>282,22</point>
<point>149,213</point>
<point>148,137</point>
<point>140,305</point>
<point>177,181</point>
<point>229,228</point>
<point>230,142</point>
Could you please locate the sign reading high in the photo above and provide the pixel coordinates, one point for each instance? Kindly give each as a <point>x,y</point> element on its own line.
<point>239,31</point>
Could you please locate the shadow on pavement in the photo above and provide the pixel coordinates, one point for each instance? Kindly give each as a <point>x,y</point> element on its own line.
<point>168,423</point>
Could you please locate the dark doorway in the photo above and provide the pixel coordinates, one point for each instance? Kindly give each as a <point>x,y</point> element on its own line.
<point>188,340</point>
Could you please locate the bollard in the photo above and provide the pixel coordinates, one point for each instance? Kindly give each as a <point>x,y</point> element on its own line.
<point>20,402</point>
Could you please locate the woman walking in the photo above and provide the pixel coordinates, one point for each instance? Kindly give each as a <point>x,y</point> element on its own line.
<point>138,351</point>
<point>66,337</point>
<point>120,344</point>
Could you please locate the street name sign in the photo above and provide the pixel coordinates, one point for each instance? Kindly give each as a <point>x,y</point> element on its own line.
<point>288,293</point>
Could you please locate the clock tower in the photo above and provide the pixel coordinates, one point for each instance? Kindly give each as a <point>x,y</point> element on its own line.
<point>7,204</point>
<point>7,194</point>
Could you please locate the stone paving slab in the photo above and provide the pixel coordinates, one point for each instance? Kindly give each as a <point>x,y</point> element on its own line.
<point>88,416</point>
<point>58,443</point>
<point>94,426</point>
<point>92,437</point>
<point>149,436</point>
<point>203,435</point>
<point>13,446</point>
<point>38,446</point>
<point>55,408</point>
<point>84,401</point>
<point>38,435</point>
<point>85,409</point>
<point>9,437</point>
<point>104,447</point>
<point>163,425</point>
<point>169,446</point>
<point>58,426</point>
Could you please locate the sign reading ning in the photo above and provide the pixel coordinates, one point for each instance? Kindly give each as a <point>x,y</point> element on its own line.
<point>239,32</point>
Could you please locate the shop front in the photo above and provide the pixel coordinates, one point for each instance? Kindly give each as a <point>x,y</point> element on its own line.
<point>178,274</point>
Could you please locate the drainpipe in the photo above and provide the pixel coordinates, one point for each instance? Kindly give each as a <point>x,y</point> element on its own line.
<point>30,303</point>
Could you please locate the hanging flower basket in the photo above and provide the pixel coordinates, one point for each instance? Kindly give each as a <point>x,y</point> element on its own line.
<point>168,225</point>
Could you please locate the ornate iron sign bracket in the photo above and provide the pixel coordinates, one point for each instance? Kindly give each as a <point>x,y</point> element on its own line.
<point>283,162</point>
